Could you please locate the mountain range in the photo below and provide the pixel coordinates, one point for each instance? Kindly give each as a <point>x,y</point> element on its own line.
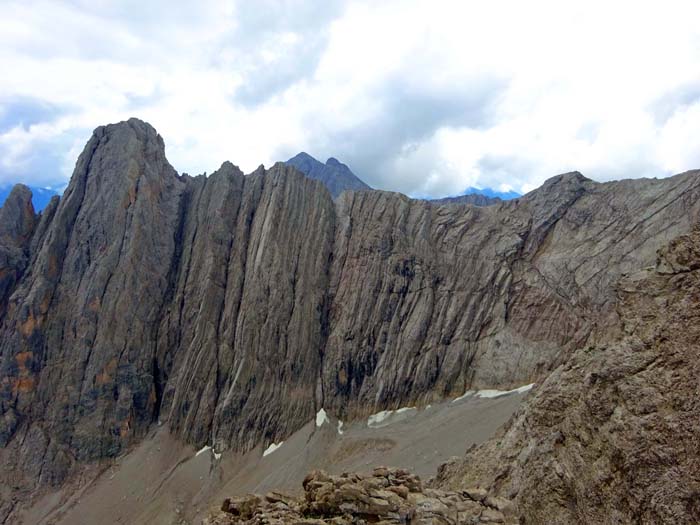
<point>338,177</point>
<point>241,314</point>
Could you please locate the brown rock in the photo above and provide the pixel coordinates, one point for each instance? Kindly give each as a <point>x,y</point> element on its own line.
<point>346,503</point>
<point>611,435</point>
<point>476,494</point>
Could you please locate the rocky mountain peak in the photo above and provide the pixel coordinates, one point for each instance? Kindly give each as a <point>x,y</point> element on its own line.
<point>334,174</point>
<point>17,217</point>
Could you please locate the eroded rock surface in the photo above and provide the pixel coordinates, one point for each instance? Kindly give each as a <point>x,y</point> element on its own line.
<point>612,435</point>
<point>386,496</point>
<point>428,301</point>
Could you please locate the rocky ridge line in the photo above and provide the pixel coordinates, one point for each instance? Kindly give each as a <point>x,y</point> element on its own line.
<point>232,308</point>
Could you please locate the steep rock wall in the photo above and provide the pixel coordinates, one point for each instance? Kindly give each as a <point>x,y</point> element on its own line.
<point>233,307</point>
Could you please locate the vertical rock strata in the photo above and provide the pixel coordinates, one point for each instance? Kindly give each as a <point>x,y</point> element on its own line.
<point>233,307</point>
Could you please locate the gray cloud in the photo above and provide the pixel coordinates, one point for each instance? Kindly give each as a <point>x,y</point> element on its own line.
<point>406,118</point>
<point>664,107</point>
<point>260,25</point>
<point>41,165</point>
<point>26,111</point>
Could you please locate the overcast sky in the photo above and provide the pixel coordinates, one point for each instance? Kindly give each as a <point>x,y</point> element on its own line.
<point>422,97</point>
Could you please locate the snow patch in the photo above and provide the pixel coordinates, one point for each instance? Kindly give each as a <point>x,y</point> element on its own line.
<point>524,388</point>
<point>467,394</point>
<point>340,427</point>
<point>321,418</point>
<point>499,393</point>
<point>490,394</point>
<point>378,420</point>
<point>202,450</point>
<point>273,446</point>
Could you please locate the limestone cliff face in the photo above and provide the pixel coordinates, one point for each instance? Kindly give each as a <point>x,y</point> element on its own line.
<point>612,435</point>
<point>428,301</point>
<point>233,307</point>
<point>241,337</point>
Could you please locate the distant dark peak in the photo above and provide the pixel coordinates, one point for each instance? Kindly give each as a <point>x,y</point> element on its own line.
<point>334,174</point>
<point>475,199</point>
<point>302,156</point>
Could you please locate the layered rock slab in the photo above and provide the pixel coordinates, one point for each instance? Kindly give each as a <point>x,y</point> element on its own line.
<point>612,435</point>
<point>429,301</point>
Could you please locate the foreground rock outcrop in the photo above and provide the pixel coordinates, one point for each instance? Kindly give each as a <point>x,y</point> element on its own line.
<point>386,496</point>
<point>233,307</point>
<point>612,436</point>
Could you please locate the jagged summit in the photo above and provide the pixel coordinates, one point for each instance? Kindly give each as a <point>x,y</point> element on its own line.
<point>334,174</point>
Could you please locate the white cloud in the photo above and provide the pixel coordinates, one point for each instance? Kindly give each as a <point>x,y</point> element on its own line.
<point>421,97</point>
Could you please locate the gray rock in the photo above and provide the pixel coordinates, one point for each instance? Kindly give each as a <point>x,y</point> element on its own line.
<point>233,307</point>
<point>17,223</point>
<point>612,434</point>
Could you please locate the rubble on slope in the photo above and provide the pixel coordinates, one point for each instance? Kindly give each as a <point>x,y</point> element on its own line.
<point>384,497</point>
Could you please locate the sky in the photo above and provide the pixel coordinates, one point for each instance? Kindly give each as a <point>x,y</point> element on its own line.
<point>422,97</point>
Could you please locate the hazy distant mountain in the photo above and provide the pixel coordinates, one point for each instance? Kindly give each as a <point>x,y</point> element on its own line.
<point>477,197</point>
<point>40,196</point>
<point>488,192</point>
<point>334,174</point>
